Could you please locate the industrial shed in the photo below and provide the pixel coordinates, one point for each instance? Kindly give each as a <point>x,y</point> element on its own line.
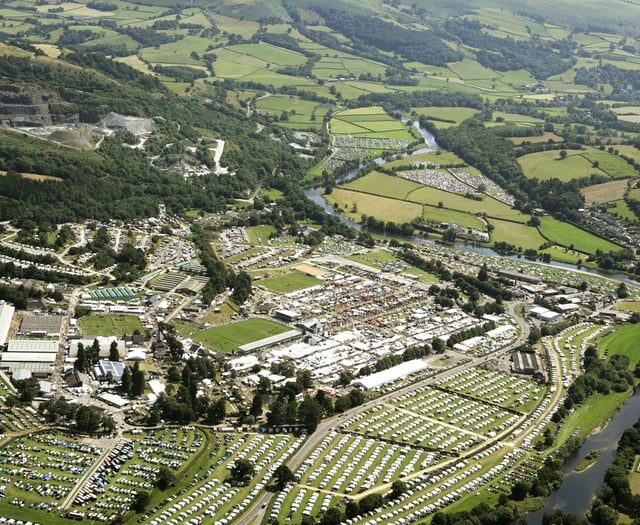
<point>6,315</point>
<point>390,375</point>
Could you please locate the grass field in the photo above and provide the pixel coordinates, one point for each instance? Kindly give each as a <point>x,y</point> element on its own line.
<point>289,282</point>
<point>567,235</point>
<point>629,306</point>
<point>546,137</point>
<point>385,185</point>
<point>521,235</point>
<point>107,325</point>
<point>466,220</point>
<point>547,164</point>
<point>614,166</point>
<point>455,114</point>
<point>229,337</point>
<point>593,414</point>
<point>382,208</point>
<point>621,209</point>
<point>606,192</point>
<point>623,341</point>
<point>371,122</point>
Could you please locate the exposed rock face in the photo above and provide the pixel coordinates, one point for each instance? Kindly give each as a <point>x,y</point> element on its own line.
<point>24,106</point>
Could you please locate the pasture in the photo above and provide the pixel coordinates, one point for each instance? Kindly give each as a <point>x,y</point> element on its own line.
<point>548,164</point>
<point>229,337</point>
<point>369,123</point>
<point>461,218</point>
<point>621,209</point>
<point>108,325</point>
<point>613,165</point>
<point>355,204</point>
<point>439,115</point>
<point>521,235</point>
<point>605,192</point>
<point>384,185</point>
<point>571,236</point>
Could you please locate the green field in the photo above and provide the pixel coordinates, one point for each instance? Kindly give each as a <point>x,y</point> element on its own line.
<point>621,209</point>
<point>108,325</point>
<point>466,220</point>
<point>623,341</point>
<point>547,164</point>
<point>382,208</point>
<point>526,237</point>
<point>370,122</point>
<point>568,235</point>
<point>384,185</point>
<point>457,115</point>
<point>229,337</point>
<point>614,166</point>
<point>289,282</point>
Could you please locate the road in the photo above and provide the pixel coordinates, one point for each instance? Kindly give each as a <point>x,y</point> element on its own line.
<point>255,513</point>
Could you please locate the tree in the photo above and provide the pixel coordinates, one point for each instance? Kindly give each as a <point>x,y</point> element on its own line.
<point>81,363</point>
<point>27,389</point>
<point>125,381</point>
<point>398,488</point>
<point>256,405</point>
<point>242,471</point>
<point>114,355</point>
<point>519,490</point>
<point>563,154</point>
<point>176,349</point>
<point>283,476</point>
<point>137,381</point>
<point>217,411</point>
<point>333,516</point>
<point>310,413</point>
<point>88,418</point>
<point>483,274</point>
<point>165,478</point>
<point>352,509</point>
<point>140,501</point>
<point>622,291</point>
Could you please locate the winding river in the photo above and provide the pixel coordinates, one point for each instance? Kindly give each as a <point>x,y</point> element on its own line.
<point>579,488</point>
<point>315,195</point>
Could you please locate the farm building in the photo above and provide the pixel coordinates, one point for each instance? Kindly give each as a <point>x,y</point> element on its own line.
<point>41,326</point>
<point>33,345</point>
<point>6,315</point>
<point>526,363</point>
<point>39,363</point>
<point>104,367</point>
<point>268,342</point>
<point>104,342</point>
<point>390,375</point>
<point>288,316</point>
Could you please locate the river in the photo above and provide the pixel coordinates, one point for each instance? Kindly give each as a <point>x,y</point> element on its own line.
<point>579,488</point>
<point>315,195</point>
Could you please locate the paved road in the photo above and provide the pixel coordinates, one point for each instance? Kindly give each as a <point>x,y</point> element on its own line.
<point>255,513</point>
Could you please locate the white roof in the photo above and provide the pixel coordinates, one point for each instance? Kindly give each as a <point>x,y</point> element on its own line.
<point>28,357</point>
<point>6,314</point>
<point>136,354</point>
<point>391,374</point>
<point>156,386</point>
<point>33,345</point>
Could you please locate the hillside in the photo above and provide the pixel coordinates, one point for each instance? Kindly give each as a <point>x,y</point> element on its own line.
<point>514,80</point>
